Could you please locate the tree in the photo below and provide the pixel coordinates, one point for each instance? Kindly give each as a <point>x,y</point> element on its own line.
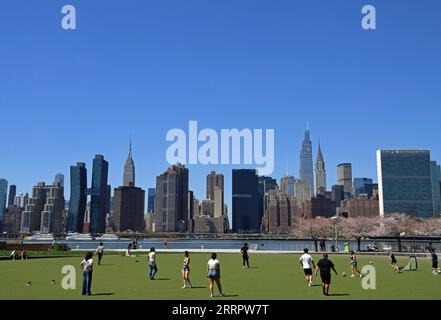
<point>429,227</point>
<point>359,228</point>
<point>398,225</point>
<point>313,229</point>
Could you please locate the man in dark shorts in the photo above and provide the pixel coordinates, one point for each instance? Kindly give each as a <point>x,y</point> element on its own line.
<point>325,266</point>
<point>245,257</point>
<point>393,262</point>
<point>435,269</point>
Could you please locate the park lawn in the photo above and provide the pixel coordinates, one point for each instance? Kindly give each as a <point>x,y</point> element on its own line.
<point>271,276</point>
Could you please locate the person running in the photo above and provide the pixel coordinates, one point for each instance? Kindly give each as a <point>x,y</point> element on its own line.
<point>393,262</point>
<point>307,263</point>
<point>435,269</point>
<point>87,266</point>
<point>354,265</point>
<point>245,256</point>
<point>186,271</point>
<point>325,266</point>
<point>100,251</point>
<point>214,274</point>
<point>152,263</point>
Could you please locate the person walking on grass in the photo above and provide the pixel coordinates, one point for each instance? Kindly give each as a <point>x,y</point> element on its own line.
<point>152,263</point>
<point>245,256</point>
<point>186,271</point>
<point>393,262</point>
<point>325,266</point>
<point>87,266</point>
<point>214,275</point>
<point>100,251</point>
<point>435,269</point>
<point>307,263</point>
<point>354,265</point>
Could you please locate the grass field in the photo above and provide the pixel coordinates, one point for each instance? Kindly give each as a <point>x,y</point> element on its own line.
<point>272,276</point>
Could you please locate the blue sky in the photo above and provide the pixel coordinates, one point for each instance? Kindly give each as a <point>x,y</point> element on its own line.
<point>140,68</point>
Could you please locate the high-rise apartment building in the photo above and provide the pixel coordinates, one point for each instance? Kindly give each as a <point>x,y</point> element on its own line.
<point>100,198</point>
<point>78,197</point>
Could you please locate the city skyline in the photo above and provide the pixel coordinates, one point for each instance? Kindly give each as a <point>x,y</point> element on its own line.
<point>219,65</point>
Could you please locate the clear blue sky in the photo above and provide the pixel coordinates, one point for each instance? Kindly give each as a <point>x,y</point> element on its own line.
<point>140,68</point>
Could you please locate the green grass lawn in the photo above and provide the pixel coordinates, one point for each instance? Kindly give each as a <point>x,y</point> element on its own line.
<point>272,276</point>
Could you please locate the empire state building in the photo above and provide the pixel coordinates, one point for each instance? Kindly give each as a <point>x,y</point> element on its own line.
<point>129,170</point>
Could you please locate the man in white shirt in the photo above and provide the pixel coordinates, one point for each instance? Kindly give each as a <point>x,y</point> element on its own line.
<point>100,251</point>
<point>307,263</point>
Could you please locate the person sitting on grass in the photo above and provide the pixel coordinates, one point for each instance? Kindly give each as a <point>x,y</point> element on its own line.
<point>393,262</point>
<point>325,266</point>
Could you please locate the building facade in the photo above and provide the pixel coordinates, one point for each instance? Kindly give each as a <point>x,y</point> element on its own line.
<point>128,212</point>
<point>245,201</point>
<point>344,178</point>
<point>171,205</point>
<point>436,188</point>
<point>280,212</point>
<point>129,170</point>
<point>100,199</point>
<point>78,198</point>
<point>405,182</point>
<point>306,172</point>
<point>12,194</point>
<point>151,200</point>
<point>363,206</point>
<point>320,172</point>
<point>3,197</point>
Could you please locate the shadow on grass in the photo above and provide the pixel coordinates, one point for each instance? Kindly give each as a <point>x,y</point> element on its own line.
<point>338,294</point>
<point>161,279</point>
<point>103,294</point>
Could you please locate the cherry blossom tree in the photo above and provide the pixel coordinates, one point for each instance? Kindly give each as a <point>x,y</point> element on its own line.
<point>398,225</point>
<point>359,228</point>
<point>314,229</point>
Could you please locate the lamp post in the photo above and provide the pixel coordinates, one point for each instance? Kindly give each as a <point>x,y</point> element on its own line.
<point>335,225</point>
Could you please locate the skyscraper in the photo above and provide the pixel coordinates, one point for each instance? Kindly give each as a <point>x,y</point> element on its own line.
<point>320,172</point>
<point>100,201</point>
<point>405,182</point>
<point>214,181</point>
<point>59,178</point>
<point>171,205</point>
<point>12,193</point>
<point>151,200</point>
<point>129,170</point>
<point>52,219</point>
<point>280,210</point>
<point>363,186</point>
<point>31,216</point>
<point>44,210</point>
<point>21,200</point>
<point>344,178</point>
<point>287,184</point>
<point>306,166</point>
<point>245,201</point>
<point>128,213</point>
<point>436,188</point>
<point>265,185</point>
<point>78,197</point>
<point>3,195</point>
